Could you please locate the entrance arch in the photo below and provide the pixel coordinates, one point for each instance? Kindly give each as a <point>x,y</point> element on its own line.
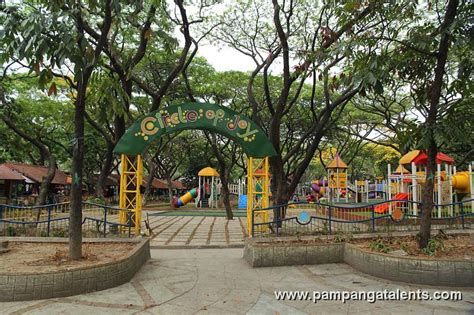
<point>186,116</point>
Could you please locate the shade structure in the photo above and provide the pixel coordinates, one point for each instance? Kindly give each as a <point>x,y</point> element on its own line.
<point>421,158</point>
<point>337,163</point>
<point>208,171</point>
<point>440,158</point>
<point>401,170</point>
<point>409,157</point>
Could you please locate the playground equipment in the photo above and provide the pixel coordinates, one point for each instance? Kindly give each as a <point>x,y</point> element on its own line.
<point>450,186</point>
<point>188,116</point>
<point>364,191</point>
<point>319,188</point>
<point>209,188</point>
<point>383,208</point>
<point>337,179</point>
<point>258,192</point>
<point>184,199</point>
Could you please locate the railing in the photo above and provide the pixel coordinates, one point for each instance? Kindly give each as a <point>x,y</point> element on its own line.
<point>53,220</point>
<point>305,218</point>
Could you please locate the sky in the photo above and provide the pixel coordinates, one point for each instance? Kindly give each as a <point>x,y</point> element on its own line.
<point>226,58</point>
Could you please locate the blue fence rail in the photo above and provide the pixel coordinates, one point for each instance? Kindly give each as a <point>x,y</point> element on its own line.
<point>53,220</point>
<point>304,218</point>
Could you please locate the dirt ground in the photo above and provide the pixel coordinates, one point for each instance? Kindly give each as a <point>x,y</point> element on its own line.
<point>42,257</point>
<point>453,247</point>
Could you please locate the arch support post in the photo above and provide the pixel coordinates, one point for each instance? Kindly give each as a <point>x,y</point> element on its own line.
<point>130,198</point>
<point>258,192</point>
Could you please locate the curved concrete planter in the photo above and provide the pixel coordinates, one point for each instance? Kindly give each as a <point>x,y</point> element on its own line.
<point>404,269</point>
<point>45,285</point>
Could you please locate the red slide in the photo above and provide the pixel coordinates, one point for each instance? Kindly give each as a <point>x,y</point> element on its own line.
<point>383,208</point>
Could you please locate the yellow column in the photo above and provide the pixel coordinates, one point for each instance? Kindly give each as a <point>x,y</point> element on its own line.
<point>258,188</point>
<point>130,198</point>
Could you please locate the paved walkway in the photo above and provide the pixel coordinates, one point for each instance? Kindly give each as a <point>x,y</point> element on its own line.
<point>197,231</point>
<point>219,281</point>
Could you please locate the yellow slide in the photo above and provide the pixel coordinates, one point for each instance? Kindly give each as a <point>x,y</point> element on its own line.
<point>461,182</point>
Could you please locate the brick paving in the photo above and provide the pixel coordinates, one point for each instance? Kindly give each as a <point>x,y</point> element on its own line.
<point>197,231</point>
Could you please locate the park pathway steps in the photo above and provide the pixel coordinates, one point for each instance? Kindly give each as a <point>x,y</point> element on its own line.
<point>197,231</point>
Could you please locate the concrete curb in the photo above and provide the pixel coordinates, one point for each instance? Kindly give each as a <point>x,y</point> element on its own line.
<point>52,284</point>
<point>441,272</point>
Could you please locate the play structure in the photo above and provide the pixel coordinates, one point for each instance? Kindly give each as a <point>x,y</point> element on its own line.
<point>365,191</point>
<point>207,194</point>
<point>402,186</point>
<point>184,199</point>
<point>188,116</point>
<point>334,187</point>
<point>319,189</point>
<point>337,179</point>
<point>209,188</point>
<point>450,186</point>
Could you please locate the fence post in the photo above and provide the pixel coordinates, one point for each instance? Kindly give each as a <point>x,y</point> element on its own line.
<point>462,215</point>
<point>129,225</point>
<point>49,218</point>
<point>252,223</point>
<point>330,216</point>
<point>373,217</point>
<point>105,221</point>
<point>1,211</point>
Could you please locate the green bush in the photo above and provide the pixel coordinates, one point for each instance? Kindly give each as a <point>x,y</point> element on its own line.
<point>379,245</point>
<point>434,246</point>
<point>11,231</point>
<point>96,200</point>
<point>59,233</point>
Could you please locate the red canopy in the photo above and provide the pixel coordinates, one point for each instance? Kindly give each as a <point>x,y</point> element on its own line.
<point>440,158</point>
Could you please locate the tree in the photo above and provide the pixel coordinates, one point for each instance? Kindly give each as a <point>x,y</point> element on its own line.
<point>417,54</point>
<point>310,47</point>
<point>434,96</point>
<point>31,30</point>
<point>38,120</point>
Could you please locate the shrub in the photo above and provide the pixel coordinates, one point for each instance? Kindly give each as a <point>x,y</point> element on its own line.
<point>434,246</point>
<point>380,246</point>
<point>11,231</point>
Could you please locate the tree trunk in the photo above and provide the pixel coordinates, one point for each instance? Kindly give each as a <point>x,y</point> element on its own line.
<point>75,215</point>
<point>45,187</point>
<point>169,183</point>
<point>430,124</point>
<point>427,199</point>
<point>279,187</point>
<point>225,193</point>
<point>149,184</point>
<point>104,172</point>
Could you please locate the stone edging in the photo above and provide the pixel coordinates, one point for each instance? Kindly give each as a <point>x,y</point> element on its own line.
<point>403,269</point>
<point>45,285</point>
<point>457,273</point>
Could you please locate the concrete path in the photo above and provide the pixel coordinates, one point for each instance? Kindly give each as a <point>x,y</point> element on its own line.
<point>197,231</point>
<point>219,281</point>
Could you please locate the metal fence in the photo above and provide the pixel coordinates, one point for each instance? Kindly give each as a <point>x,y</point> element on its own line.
<point>53,220</point>
<point>305,218</point>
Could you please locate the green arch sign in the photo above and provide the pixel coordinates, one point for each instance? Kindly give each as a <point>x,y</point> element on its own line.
<point>203,116</point>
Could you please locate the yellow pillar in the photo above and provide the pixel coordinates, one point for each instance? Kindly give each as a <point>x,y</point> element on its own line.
<point>130,198</point>
<point>258,188</point>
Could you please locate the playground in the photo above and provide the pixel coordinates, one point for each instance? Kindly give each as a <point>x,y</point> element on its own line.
<point>236,157</point>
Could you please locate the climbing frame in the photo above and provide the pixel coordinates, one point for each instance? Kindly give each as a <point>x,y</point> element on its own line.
<point>131,171</point>
<point>258,187</point>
